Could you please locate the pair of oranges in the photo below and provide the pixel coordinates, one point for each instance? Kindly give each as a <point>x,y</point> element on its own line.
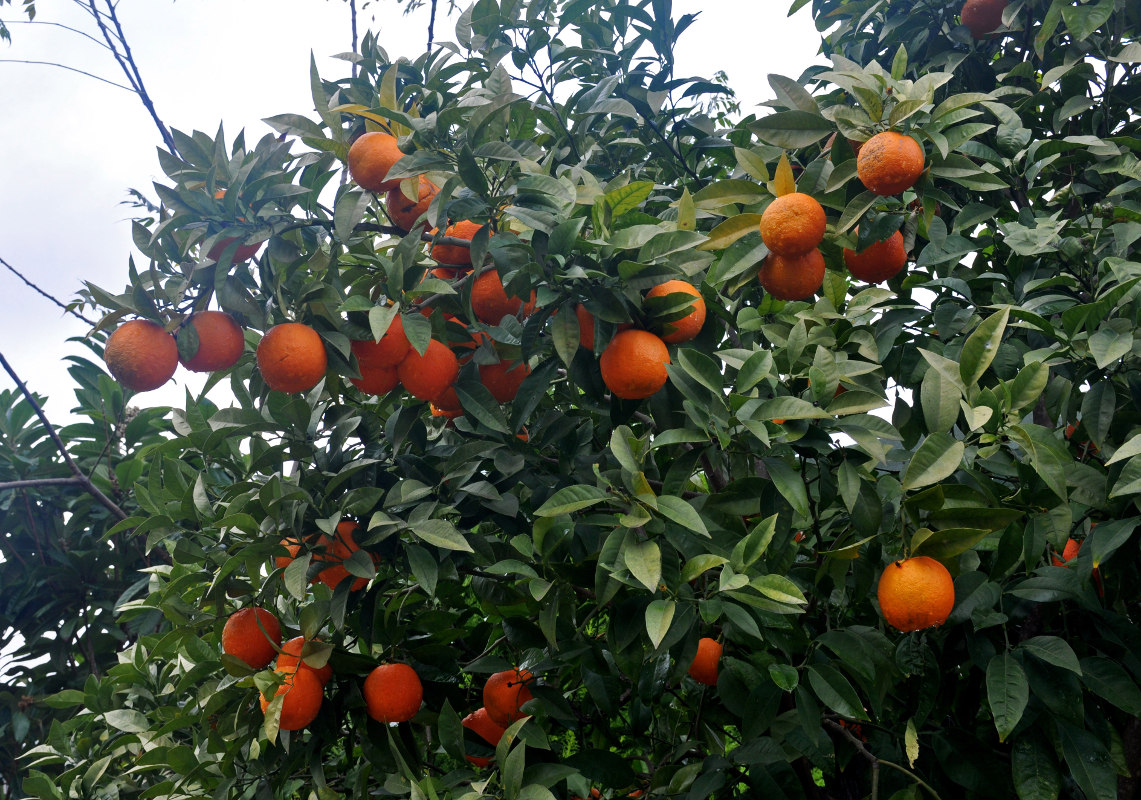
<point>142,355</point>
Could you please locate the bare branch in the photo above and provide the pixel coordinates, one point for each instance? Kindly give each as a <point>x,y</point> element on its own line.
<point>83,480</point>
<point>353,21</point>
<point>68,309</point>
<point>57,25</point>
<point>432,26</point>
<point>65,66</point>
<point>36,482</point>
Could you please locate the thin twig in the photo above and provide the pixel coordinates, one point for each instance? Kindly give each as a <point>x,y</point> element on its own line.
<point>34,482</point>
<point>83,480</point>
<point>130,68</point>
<point>57,25</point>
<point>353,22</point>
<point>875,760</point>
<point>65,66</point>
<point>68,309</point>
<point>432,26</point>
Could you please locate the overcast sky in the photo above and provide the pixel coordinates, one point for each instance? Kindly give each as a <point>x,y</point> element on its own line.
<point>71,146</point>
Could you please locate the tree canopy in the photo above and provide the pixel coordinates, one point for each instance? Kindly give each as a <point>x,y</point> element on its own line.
<point>688,579</point>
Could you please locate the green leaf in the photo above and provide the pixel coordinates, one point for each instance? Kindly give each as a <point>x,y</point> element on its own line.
<point>940,400</point>
<point>779,588</point>
<point>752,164</point>
<point>752,547</point>
<point>694,567</point>
<point>1054,651</point>
<point>442,534</point>
<point>1107,346</point>
<point>1028,385</point>
<point>127,720</point>
<point>659,615</point>
<point>1007,693</point>
<point>789,483</point>
<point>899,63</point>
<point>628,197</point>
<point>680,511</point>
<point>702,369</point>
<point>836,692</point>
<point>1109,680</point>
<point>730,231</point>
<point>478,402</point>
<point>982,346</point>
<point>644,560</point>
<point>948,543</point>
<point>792,95</point>
<point>784,676</point>
<point>792,129</point>
<point>1034,768</point>
<point>571,499</point>
<point>1089,762</point>
<point>294,576</point>
<point>1083,21</point>
<point>935,460</point>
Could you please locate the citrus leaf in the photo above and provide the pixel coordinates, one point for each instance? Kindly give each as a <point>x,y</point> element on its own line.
<point>644,560</point>
<point>730,231</point>
<point>935,460</point>
<point>1007,693</point>
<point>836,692</point>
<point>982,346</point>
<point>784,182</point>
<point>442,534</point>
<point>680,511</point>
<point>570,499</point>
<point>659,615</point>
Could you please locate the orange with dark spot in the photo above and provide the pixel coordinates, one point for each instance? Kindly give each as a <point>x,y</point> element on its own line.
<point>792,224</point>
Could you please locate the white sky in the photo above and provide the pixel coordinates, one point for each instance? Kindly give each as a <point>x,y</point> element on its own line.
<point>71,146</point>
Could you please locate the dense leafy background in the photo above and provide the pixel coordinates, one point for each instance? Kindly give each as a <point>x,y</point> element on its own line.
<point>1001,368</point>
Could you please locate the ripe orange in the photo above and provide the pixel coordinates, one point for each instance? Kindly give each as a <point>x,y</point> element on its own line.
<point>503,379</point>
<point>455,254</point>
<point>371,157</point>
<point>220,342</point>
<point>504,693</point>
<point>393,693</point>
<point>427,376</point>
<point>793,224</point>
<point>290,656</point>
<point>447,413</point>
<point>303,695</point>
<point>244,252</point>
<point>489,300</point>
<point>340,547</point>
<point>388,352</point>
<point>291,544</point>
<point>881,261</point>
<point>889,163</point>
<point>404,212</point>
<point>706,662</point>
<point>487,729</point>
<point>376,380</point>
<point>686,328</point>
<point>585,327</point>
<point>1069,553</point>
<point>792,277</point>
<point>634,364</point>
<point>982,16</point>
<point>291,357</point>
<point>141,355</point>
<point>916,593</point>
<point>253,635</point>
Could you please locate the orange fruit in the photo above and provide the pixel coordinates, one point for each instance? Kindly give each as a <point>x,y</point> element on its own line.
<point>982,16</point>
<point>792,277</point>
<point>290,657</point>
<point>403,211</point>
<point>447,413</point>
<point>253,635</point>
<point>371,157</point>
<point>388,352</point>
<point>303,695</point>
<point>793,224</point>
<point>455,254</point>
<point>336,550</point>
<point>889,163</point>
<point>291,544</point>
<point>487,729</point>
<point>686,328</point>
<point>427,376</point>
<point>244,252</point>
<point>705,663</point>
<point>393,693</point>
<point>503,379</point>
<point>585,327</point>
<point>220,342</point>
<point>1069,553</point>
<point>916,593</point>
<point>504,693</point>
<point>376,380</point>
<point>489,300</point>
<point>141,355</point>
<point>879,262</point>
<point>291,357</point>
<point>634,364</point>
<point>448,402</point>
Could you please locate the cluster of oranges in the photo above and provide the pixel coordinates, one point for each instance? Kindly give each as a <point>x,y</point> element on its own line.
<point>143,355</point>
<point>793,225</point>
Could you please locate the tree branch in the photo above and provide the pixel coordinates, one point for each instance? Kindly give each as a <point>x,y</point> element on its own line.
<point>875,761</point>
<point>82,479</point>
<point>65,66</point>
<point>34,482</point>
<point>69,310</point>
<point>432,26</point>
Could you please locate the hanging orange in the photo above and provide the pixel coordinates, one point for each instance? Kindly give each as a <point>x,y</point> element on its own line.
<point>879,262</point>
<point>371,156</point>
<point>889,163</point>
<point>916,593</point>
<point>686,328</point>
<point>634,364</point>
<point>792,224</point>
<point>792,277</point>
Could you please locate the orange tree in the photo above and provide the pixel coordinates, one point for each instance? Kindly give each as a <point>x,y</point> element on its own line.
<point>545,545</point>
